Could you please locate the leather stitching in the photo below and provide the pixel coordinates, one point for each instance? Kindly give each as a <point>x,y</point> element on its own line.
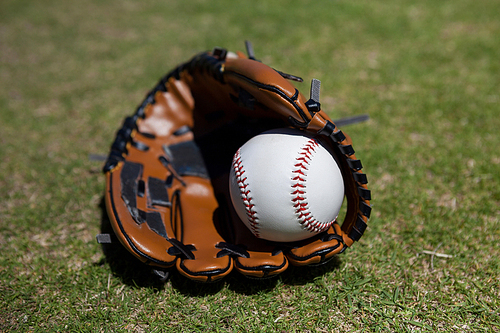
<point>299,192</point>
<point>245,194</point>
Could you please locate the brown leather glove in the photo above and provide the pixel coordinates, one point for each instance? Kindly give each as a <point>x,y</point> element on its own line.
<point>167,192</point>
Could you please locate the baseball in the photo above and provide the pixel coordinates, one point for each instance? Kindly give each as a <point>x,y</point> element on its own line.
<point>285,186</point>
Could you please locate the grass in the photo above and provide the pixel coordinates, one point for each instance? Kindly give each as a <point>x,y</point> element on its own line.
<point>428,74</point>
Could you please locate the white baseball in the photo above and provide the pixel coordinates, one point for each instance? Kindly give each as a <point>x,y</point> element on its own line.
<point>285,186</point>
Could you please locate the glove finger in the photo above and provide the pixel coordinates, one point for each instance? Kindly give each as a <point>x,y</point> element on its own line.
<point>263,260</point>
<point>196,205</point>
<point>261,265</point>
<point>318,249</point>
<point>253,257</point>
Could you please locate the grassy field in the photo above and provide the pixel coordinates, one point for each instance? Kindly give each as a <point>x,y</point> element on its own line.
<point>426,72</point>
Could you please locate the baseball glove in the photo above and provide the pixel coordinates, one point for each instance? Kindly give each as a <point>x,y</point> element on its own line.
<point>167,193</point>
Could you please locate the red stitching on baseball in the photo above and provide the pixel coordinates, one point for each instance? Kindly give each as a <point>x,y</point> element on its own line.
<point>245,194</point>
<point>299,197</point>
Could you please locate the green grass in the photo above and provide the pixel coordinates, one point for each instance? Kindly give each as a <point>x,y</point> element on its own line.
<point>428,74</point>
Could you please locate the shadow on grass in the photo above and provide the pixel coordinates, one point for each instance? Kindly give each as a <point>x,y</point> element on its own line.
<point>292,276</point>
<point>246,286</point>
<point>133,272</point>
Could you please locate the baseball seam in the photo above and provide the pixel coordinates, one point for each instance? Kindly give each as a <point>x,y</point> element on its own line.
<point>299,189</point>
<point>245,194</point>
